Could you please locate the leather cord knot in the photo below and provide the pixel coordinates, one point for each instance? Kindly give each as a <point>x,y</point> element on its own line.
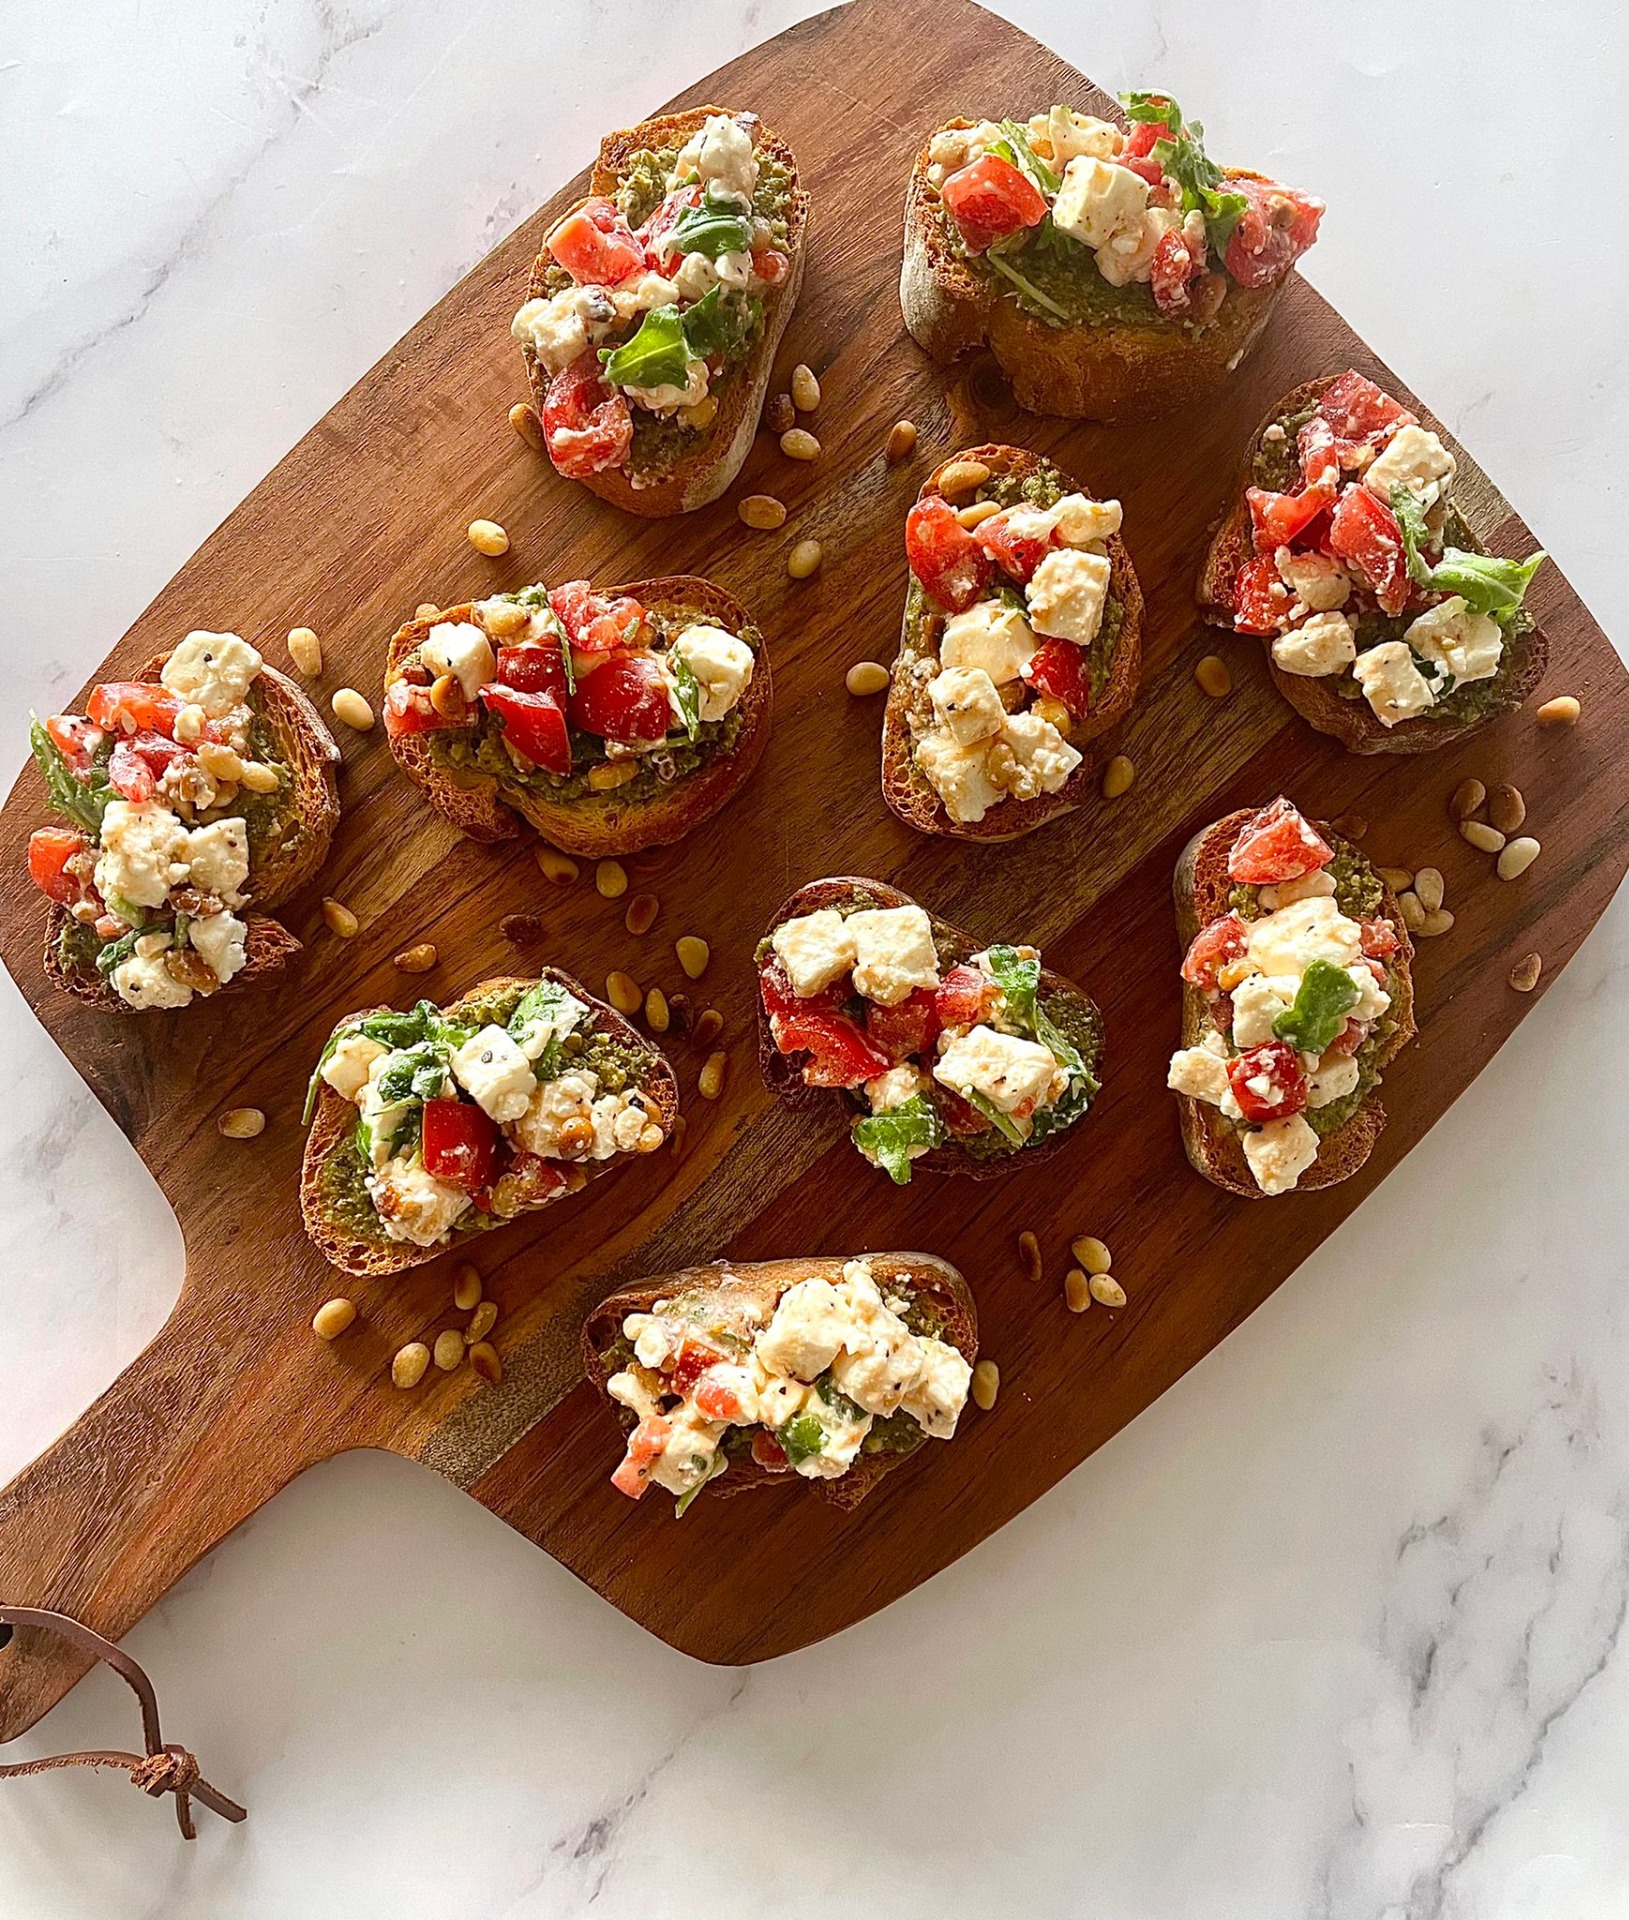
<point>163,1768</point>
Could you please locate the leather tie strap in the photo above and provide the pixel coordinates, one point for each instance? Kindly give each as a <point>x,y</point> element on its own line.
<point>161,1769</point>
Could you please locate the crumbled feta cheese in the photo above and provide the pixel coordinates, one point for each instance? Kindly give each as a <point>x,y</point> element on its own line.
<point>561,328</point>
<point>460,648</point>
<point>551,1021</point>
<point>641,292</point>
<point>1128,258</point>
<point>1467,645</point>
<point>1042,759</point>
<point>894,953</point>
<point>810,1325</point>
<point>346,1068</point>
<point>959,775</point>
<point>1332,1080</point>
<point>1280,1152</point>
<point>990,636</point>
<point>1067,592</point>
<point>413,1204</point>
<point>1064,135</point>
<point>895,1087</point>
<point>721,663</point>
<point>222,940</point>
<point>1009,1072</point>
<point>1415,458</point>
<point>1372,1000</point>
<point>495,1074</point>
<point>1393,686</point>
<point>1257,1003</point>
<point>143,853</point>
<point>1199,1073</point>
<point>1321,644</point>
<point>211,670</point>
<point>1306,886</point>
<point>1098,200</point>
<point>940,1392</point>
<point>1317,580</point>
<point>1083,522</point>
<point>815,949</point>
<point>218,858</point>
<point>145,981</point>
<point>720,155</point>
<point>966,704</point>
<point>1288,941</point>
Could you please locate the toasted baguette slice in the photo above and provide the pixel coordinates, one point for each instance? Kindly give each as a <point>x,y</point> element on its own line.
<point>782,1073</point>
<point>758,1286</point>
<point>1201,889</point>
<point>1521,666</point>
<point>594,825</point>
<point>286,852</point>
<point>904,786</point>
<point>701,475</point>
<point>353,1238</point>
<point>1111,372</point>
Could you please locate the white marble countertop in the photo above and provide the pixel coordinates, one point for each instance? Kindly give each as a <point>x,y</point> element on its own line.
<point>1333,1629</point>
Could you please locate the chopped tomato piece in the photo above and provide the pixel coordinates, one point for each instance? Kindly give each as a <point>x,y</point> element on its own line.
<point>716,1398</point>
<point>1365,536</point>
<point>75,739</point>
<point>1213,947</point>
<point>695,1357</point>
<point>1359,414</point>
<point>768,1452</point>
<point>646,1445</point>
<point>1348,1040</point>
<point>534,724</point>
<point>1061,670</point>
<point>536,667</point>
<point>1320,462</point>
<point>594,624</point>
<point>654,234</point>
<point>1173,270</point>
<point>965,995</point>
<point>1278,843</point>
<point>1275,229</point>
<point>625,698</point>
<point>781,1003</point>
<point>1260,598</point>
<point>839,1053</point>
<point>770,265</point>
<point>129,775</point>
<point>1277,518</point>
<point>460,1144</point>
<point>990,199</point>
<point>595,245</point>
<point>49,851</point>
<point>1268,1082</point>
<point>1138,154</point>
<point>408,709</point>
<point>586,424</point>
<point>949,563</point>
<point>1016,548</point>
<point>125,705</point>
<point>911,1027</point>
<point>1379,938</point>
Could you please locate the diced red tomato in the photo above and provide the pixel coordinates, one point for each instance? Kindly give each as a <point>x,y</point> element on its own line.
<point>75,739</point>
<point>1365,537</point>
<point>1278,1063</point>
<point>1061,670</point>
<point>1277,518</point>
<point>49,851</point>
<point>1348,1040</point>
<point>910,1028</point>
<point>1172,272</point>
<point>534,668</point>
<point>1278,843</point>
<point>716,1399</point>
<point>990,199</point>
<point>1137,153</point>
<point>1359,413</point>
<point>1379,939</point>
<point>768,1452</point>
<point>1260,598</point>
<point>781,1003</point>
<point>1213,947</point>
<point>126,705</point>
<point>586,424</point>
<point>964,996</point>
<point>595,245</point>
<point>408,710</point>
<point>625,698</point>
<point>1018,549</point>
<point>959,1115</point>
<point>949,563</point>
<point>129,775</point>
<point>460,1144</point>
<point>534,724</point>
<point>653,235</point>
<point>695,1356</point>
<point>646,1445</point>
<point>594,624</point>
<point>770,265</point>
<point>1275,229</point>
<point>841,1053</point>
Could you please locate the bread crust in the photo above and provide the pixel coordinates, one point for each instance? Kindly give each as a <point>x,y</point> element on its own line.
<point>1200,889</point>
<point>701,477</point>
<point>766,1281</point>
<point>909,792</point>
<point>786,1081</point>
<point>1109,373</point>
<point>1522,665</point>
<point>596,825</point>
<point>335,1120</point>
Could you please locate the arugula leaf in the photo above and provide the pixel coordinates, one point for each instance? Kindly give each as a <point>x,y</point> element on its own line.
<point>1157,109</point>
<point>687,693</point>
<point>424,1021</point>
<point>656,356</point>
<point>1182,155</point>
<point>1003,1123</point>
<point>715,227</point>
<point>116,952</point>
<point>416,1073</point>
<point>1024,157</point>
<point>1004,266</point>
<point>79,800</point>
<point>802,1438</point>
<point>716,324</point>
<point>719,1463</point>
<point>889,1138</point>
<point>313,1091</point>
<point>1484,582</point>
<point>545,1004</point>
<point>1019,980</point>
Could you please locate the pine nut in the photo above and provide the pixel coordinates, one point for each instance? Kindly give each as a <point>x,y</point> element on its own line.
<point>650,1139</point>
<point>710,1082</point>
<point>483,1357</point>
<point>481,1322</point>
<point>611,879</point>
<point>986,1384</point>
<point>804,560</point>
<point>656,1010</point>
<point>305,650</point>
<point>1518,856</point>
<point>419,959</point>
<point>865,678</point>
<point>189,725</point>
<point>962,476</point>
<point>467,1288</point>
<point>1029,1251</point>
<point>762,511</point>
<point>1106,1290</point>
<point>1439,920</point>
<point>681,1126</point>
<point>242,1123</point>
<point>332,1318</point>
<point>426,610</point>
<point>1399,879</point>
<point>607,775</point>
<point>1467,799</point>
<point>525,422</point>
<point>1054,713</point>
<point>975,514</point>
<point>800,444</point>
<point>1506,807</point>
<point>709,1026</point>
<point>678,1013</point>
<point>448,1351</point>
<point>805,389</point>
<point>641,914</point>
<point>700,413</point>
<point>1213,676</point>
<point>219,762</point>
<point>780,416</point>
<point>340,919</point>
<point>556,866</point>
<point>500,618</point>
<point>1524,976</point>
<point>447,696</point>
<point>352,709</point>
<point>1428,888</point>
<point>1077,1290</point>
<point>408,1367</point>
<point>1408,904</point>
<point>1092,1254</point>
<point>487,537</point>
<point>259,778</point>
<point>1118,776</point>
<point>1563,711</point>
<point>693,954</point>
<point>1480,835</point>
<point>901,442</point>
<point>1351,826</point>
<point>624,992</point>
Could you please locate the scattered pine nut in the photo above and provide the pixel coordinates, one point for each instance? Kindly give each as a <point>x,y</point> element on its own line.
<point>1106,1290</point>
<point>624,992</point>
<point>804,560</point>
<point>1524,976</point>
<point>1351,826</point>
<point>800,444</point>
<point>641,914</point>
<point>656,1014</point>
<point>780,415</point>
<point>709,1026</point>
<point>242,1123</point>
<point>976,512</point>
<point>1029,1251</point>
<point>1092,1254</point>
<point>419,959</point>
<point>1408,903</point>
<point>481,1322</point>
<point>1467,799</point>
<point>1480,835</point>
<point>332,1318</point>
<point>447,696</point>
<point>1518,856</point>
<point>762,511</point>
<point>865,678</point>
<point>986,1384</point>
<point>340,919</point>
<point>523,929</point>
<point>805,388</point>
<point>962,476</point>
<point>487,537</point>
<point>710,1081</point>
<point>556,866</point>
<point>1213,676</point>
<point>467,1288</point>
<point>901,442</point>
<point>1118,776</point>
<point>610,879</point>
<point>259,778</point>
<point>1439,920</point>
<point>408,1367</point>
<point>650,1139</point>
<point>352,709</point>
<point>448,1351</point>
<point>305,650</point>
<point>1399,879</point>
<point>607,775</point>
<point>219,762</point>
<point>525,422</point>
<point>1506,807</point>
<point>483,1357</point>
<point>693,954</point>
<point>1077,1290</point>
<point>1563,711</point>
<point>1428,888</point>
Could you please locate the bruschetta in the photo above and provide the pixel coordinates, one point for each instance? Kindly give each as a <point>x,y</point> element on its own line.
<point>607,721</point>
<point>434,1125</point>
<point>1297,992</point>
<point>655,307</point>
<point>1115,274</point>
<point>1386,621</point>
<point>1022,642</point>
<point>947,1055</point>
<point>196,796</point>
<point>829,1371</point>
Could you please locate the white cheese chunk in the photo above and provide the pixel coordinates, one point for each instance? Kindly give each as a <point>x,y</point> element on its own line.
<point>143,853</point>
<point>940,1392</point>
<point>212,671</point>
<point>720,155</point>
<point>146,982</point>
<point>1305,886</point>
<point>687,1460</point>
<point>1332,1080</point>
<point>1067,592</point>
<point>495,1074</point>
<point>894,953</point>
<point>346,1068</point>
<point>414,1205</point>
<point>218,858</point>
<point>1064,135</point>
<point>1467,645</point>
<point>460,648</point>
<point>1083,522</point>
<point>552,1021</point>
<point>561,328</point>
<point>640,293</point>
<point>1414,458</point>
<point>1009,1072</point>
<point>221,938</point>
<point>381,1115</point>
<point>721,663</point>
<point>811,1323</point>
<point>1128,258</point>
<point>570,1097</point>
<point>1098,200</point>
<point>959,775</point>
<point>1393,686</point>
<point>1317,580</point>
<point>1288,941</point>
<point>1372,1000</point>
<point>1280,1152</point>
<point>1321,644</point>
<point>1042,759</point>
<point>815,949</point>
<point>895,1087</point>
<point>1257,1003</point>
<point>995,639</point>
<point>966,704</point>
<point>1199,1073</point>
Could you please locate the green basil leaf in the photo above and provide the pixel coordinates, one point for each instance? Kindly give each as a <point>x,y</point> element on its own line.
<point>656,356</point>
<point>719,322</point>
<point>1028,162</point>
<point>1486,583</point>
<point>1158,109</point>
<point>82,801</point>
<point>1323,999</point>
<point>1003,1123</point>
<point>313,1092</point>
<point>802,1438</point>
<point>713,228</point>
<point>687,693</point>
<point>889,1138</point>
<point>1018,978</point>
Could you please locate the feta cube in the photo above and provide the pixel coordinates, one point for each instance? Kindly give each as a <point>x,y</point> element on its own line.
<point>966,704</point>
<point>639,294</point>
<point>561,328</point>
<point>959,775</point>
<point>1257,1003</point>
<point>1082,522</point>
<point>1317,580</point>
<point>1332,1080</point>
<point>1288,941</point>
<point>414,1205</point>
<point>1393,686</point>
<point>211,670</point>
<point>1042,759</point>
<point>143,853</point>
<point>1063,135</point>
<point>1321,644</point>
<point>495,1074</point>
<point>721,663</point>
<point>570,1097</point>
<point>1128,259</point>
<point>1372,1000</point>
<point>990,637</point>
<point>346,1068</point>
<point>1199,1073</point>
<point>222,940</point>
<point>815,949</point>
<point>1467,645</point>
<point>460,648</point>
<point>894,953</point>
<point>895,1087</point>
<point>145,981</point>
<point>1415,458</point>
<point>1280,1152</point>
<point>1098,199</point>
<point>810,1325</point>
<point>217,858</point>
<point>721,156</point>
<point>1009,1072</point>
<point>1067,592</point>
<point>940,1391</point>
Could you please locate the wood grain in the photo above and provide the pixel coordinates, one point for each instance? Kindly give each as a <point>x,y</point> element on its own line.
<point>235,1397</point>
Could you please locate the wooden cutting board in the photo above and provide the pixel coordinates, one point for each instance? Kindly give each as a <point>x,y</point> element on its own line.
<point>364,519</point>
